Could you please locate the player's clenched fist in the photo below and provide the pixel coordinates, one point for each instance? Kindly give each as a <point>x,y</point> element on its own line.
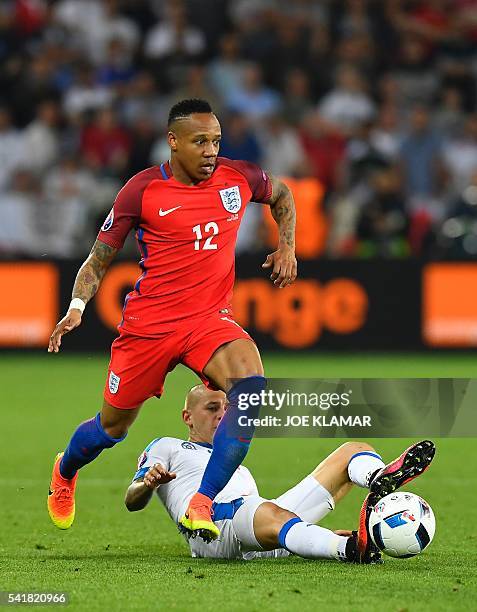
<point>284,266</point>
<point>157,475</point>
<point>67,323</point>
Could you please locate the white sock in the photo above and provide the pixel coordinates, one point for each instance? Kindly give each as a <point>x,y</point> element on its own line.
<point>362,466</point>
<point>312,541</point>
<point>308,499</point>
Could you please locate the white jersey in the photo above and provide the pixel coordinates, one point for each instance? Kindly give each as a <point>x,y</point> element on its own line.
<point>237,540</point>
<point>188,460</point>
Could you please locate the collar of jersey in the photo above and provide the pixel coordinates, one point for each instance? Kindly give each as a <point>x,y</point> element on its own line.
<point>166,172</point>
<point>206,444</point>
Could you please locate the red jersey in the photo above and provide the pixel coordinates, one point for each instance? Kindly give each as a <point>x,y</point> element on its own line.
<point>186,236</point>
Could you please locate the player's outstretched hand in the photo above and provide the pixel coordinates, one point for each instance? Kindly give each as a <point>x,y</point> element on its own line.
<point>157,475</point>
<point>67,323</point>
<point>284,266</point>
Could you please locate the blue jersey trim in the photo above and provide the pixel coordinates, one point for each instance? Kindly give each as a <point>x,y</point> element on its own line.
<point>226,510</point>
<point>124,308</point>
<point>140,473</point>
<point>164,173</point>
<point>144,255</point>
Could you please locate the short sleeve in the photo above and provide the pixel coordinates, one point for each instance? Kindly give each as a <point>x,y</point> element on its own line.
<point>126,211</point>
<point>258,181</point>
<point>158,451</point>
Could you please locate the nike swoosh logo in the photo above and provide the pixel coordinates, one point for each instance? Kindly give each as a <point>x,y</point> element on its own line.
<point>163,213</point>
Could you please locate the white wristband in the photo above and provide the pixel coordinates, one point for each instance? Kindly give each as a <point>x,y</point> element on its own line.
<point>78,304</point>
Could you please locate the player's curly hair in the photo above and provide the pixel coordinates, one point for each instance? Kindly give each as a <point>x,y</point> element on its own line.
<point>185,108</point>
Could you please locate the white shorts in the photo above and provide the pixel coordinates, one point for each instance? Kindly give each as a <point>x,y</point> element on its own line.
<point>308,499</point>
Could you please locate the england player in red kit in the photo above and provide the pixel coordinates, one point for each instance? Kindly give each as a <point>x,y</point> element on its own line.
<point>186,214</point>
<point>183,298</point>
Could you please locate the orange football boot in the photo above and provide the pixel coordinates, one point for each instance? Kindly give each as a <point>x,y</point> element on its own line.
<point>61,497</point>
<point>197,520</point>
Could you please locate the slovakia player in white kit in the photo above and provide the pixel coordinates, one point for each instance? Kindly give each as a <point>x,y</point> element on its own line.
<point>251,526</point>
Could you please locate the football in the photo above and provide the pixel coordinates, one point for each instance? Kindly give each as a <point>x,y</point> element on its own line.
<point>402,524</point>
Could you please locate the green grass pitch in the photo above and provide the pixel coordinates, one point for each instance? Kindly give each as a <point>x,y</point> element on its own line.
<point>114,560</point>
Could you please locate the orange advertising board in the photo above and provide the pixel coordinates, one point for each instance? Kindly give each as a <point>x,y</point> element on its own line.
<point>296,318</point>
<point>311,220</point>
<point>29,303</point>
<point>332,305</point>
<point>109,299</point>
<point>450,304</point>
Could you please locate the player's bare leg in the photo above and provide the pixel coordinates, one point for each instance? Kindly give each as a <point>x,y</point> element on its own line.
<point>109,427</point>
<point>353,463</point>
<point>237,360</point>
<point>332,472</point>
<point>116,422</point>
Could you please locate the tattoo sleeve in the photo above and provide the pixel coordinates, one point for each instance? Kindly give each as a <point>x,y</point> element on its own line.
<point>91,273</point>
<point>282,207</point>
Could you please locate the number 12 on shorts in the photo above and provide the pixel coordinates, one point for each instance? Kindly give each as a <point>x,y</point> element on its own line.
<point>210,228</point>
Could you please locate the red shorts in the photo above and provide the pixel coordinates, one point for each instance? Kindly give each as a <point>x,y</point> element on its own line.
<point>138,366</point>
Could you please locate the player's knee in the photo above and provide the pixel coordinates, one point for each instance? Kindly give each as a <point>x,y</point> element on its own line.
<point>255,369</point>
<point>245,368</point>
<point>116,422</point>
<point>115,428</point>
<point>118,430</point>
<point>246,363</point>
<point>268,521</point>
<point>280,517</point>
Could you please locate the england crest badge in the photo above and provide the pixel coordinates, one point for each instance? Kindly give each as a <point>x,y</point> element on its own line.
<point>113,382</point>
<point>231,199</point>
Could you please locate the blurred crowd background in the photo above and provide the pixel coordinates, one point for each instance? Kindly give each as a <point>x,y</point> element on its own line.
<point>374,100</point>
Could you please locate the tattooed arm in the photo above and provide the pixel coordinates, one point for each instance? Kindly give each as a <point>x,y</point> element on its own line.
<point>92,271</point>
<point>282,261</point>
<point>86,284</point>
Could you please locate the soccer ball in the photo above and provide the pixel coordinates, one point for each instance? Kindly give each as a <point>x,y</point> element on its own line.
<point>402,524</point>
